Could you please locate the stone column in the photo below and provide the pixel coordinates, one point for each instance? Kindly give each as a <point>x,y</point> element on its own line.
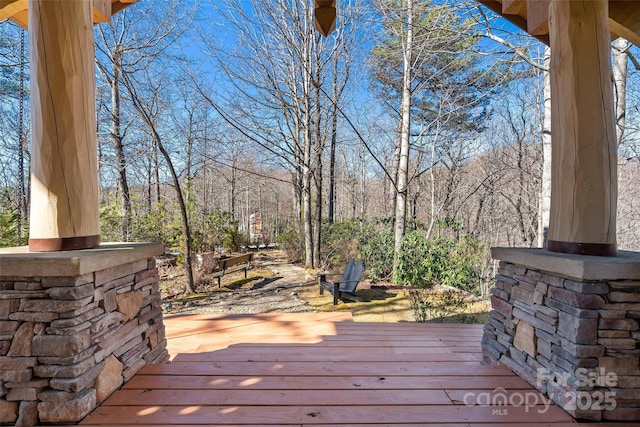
<point>74,327</point>
<point>64,193</point>
<point>570,326</point>
<point>584,159</point>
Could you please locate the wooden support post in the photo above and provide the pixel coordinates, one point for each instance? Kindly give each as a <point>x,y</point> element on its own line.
<point>584,160</point>
<point>64,195</point>
<point>325,16</point>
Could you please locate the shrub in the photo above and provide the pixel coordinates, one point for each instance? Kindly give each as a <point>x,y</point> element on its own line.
<point>377,248</point>
<point>427,305</point>
<point>110,223</point>
<point>233,238</point>
<point>292,243</point>
<point>8,228</point>
<point>340,242</point>
<point>440,261</point>
<point>414,266</point>
<point>216,226</point>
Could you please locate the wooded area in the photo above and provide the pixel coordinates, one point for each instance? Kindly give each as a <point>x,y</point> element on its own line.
<point>415,120</point>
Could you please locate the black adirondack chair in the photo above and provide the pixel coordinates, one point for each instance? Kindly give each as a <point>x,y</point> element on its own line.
<point>346,287</point>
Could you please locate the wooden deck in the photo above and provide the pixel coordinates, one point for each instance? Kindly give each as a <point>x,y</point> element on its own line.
<point>320,370</point>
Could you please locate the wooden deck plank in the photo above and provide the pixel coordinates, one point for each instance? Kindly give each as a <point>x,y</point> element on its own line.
<point>277,415</point>
<point>279,397</point>
<point>348,354</point>
<point>374,342</point>
<point>199,382</point>
<point>329,369</point>
<point>321,370</point>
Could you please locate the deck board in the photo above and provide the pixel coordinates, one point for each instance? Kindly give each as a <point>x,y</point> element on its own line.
<point>321,370</point>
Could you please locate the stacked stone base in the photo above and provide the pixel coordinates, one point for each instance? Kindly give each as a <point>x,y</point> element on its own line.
<point>569,325</point>
<point>74,327</point>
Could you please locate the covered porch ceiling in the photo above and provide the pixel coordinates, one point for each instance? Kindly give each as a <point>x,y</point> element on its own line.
<point>532,16</point>
<point>16,10</point>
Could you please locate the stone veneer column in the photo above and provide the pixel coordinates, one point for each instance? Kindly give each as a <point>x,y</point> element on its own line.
<point>570,326</point>
<point>74,327</point>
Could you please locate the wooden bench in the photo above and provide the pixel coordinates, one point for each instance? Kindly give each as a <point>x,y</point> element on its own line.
<point>231,264</point>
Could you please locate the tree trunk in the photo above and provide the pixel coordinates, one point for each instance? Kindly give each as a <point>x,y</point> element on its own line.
<point>156,171</point>
<point>432,198</point>
<point>334,139</point>
<point>545,190</point>
<point>186,229</point>
<point>116,138</point>
<point>620,70</point>
<point>150,187</point>
<point>405,134</point>
<point>393,180</point>
<point>319,148</point>
<point>363,182</point>
<point>306,129</point>
<point>23,211</point>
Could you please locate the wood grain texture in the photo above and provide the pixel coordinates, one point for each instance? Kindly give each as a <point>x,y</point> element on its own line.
<point>64,196</point>
<point>584,168</point>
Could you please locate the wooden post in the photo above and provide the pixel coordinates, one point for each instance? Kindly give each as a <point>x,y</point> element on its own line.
<point>584,160</point>
<point>64,195</point>
<point>325,16</point>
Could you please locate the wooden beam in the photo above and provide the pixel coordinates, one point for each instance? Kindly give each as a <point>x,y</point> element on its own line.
<point>624,20</point>
<point>516,20</point>
<point>17,10</point>
<point>64,173</point>
<point>118,5</point>
<point>584,159</point>
<point>515,7</point>
<point>8,8</point>
<point>101,11</point>
<point>12,9</point>
<point>618,30</point>
<point>538,17</point>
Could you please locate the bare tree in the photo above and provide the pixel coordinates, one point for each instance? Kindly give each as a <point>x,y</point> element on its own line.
<point>281,95</point>
<point>402,180</point>
<point>147,108</point>
<point>131,40</point>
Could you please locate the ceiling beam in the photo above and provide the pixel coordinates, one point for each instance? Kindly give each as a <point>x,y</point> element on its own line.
<point>514,7</point>
<point>538,17</point>
<point>16,10</point>
<point>516,20</point>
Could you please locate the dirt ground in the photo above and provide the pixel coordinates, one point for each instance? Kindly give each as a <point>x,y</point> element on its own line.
<point>272,285</point>
<point>275,285</point>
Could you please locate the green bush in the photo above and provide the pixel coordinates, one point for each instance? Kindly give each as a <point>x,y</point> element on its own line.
<point>415,264</point>
<point>233,238</point>
<point>440,261</point>
<point>8,228</point>
<point>377,247</point>
<point>340,242</point>
<point>292,243</point>
<point>110,223</point>
<point>428,306</point>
